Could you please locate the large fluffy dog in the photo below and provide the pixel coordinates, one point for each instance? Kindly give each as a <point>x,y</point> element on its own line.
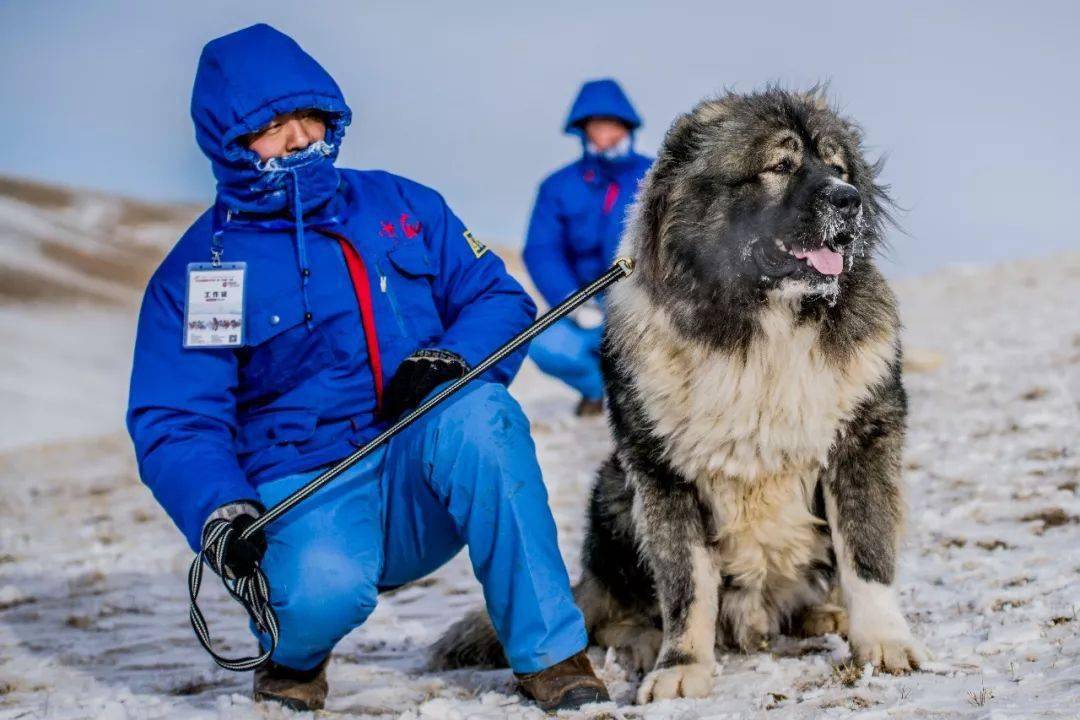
<point>753,370</point>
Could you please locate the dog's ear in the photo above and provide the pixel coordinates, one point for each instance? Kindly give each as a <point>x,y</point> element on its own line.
<point>650,225</point>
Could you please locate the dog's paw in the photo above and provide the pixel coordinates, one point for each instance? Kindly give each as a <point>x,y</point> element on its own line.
<point>822,620</point>
<point>896,655</point>
<point>688,681</point>
<point>879,634</point>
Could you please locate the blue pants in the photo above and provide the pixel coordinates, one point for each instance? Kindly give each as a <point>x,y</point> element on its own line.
<point>465,474</point>
<point>571,354</point>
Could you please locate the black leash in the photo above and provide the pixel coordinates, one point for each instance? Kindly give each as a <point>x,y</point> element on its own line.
<point>252,591</point>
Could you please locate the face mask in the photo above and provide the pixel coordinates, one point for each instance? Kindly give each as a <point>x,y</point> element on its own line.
<point>304,179</point>
<point>618,151</point>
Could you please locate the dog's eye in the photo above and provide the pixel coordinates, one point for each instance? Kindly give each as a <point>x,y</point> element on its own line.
<point>839,170</point>
<point>784,167</point>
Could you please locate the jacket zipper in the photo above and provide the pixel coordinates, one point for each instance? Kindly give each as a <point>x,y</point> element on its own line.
<point>385,289</point>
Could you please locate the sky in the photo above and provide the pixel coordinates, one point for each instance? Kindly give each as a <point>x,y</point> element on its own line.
<point>973,103</point>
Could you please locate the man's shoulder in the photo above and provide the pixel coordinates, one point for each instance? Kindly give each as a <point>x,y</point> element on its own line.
<point>390,185</point>
<point>643,162</point>
<point>571,172</point>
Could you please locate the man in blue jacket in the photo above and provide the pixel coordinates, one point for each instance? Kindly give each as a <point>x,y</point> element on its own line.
<point>575,229</point>
<point>296,318</point>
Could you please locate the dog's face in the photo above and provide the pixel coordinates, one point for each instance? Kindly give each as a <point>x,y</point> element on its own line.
<point>796,219</point>
<point>758,193</point>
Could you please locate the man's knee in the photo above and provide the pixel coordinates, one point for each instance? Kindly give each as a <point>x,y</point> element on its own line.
<point>481,412</point>
<point>560,352</point>
<point>483,440</point>
<point>548,353</point>
<point>329,595</point>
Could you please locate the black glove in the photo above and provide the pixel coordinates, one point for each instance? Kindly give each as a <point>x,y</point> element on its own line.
<point>418,375</point>
<point>241,555</point>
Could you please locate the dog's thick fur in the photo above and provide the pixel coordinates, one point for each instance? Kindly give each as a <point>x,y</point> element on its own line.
<point>756,404</point>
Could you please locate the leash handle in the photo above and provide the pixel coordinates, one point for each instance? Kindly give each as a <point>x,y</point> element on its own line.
<point>253,591</point>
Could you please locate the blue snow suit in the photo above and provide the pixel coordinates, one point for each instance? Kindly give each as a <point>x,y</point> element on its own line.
<point>348,272</point>
<point>574,233</point>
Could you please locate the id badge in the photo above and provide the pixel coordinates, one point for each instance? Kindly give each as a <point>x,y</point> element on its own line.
<point>214,311</point>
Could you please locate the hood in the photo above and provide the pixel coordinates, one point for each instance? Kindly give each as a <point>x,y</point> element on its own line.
<point>244,80</point>
<point>601,98</point>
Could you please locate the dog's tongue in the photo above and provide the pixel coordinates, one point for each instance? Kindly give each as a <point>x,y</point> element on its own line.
<point>824,260</point>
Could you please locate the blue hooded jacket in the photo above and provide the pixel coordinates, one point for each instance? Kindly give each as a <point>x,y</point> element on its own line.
<point>580,209</point>
<point>210,424</point>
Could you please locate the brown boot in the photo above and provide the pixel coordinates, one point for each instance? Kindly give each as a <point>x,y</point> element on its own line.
<point>302,690</point>
<point>589,408</point>
<point>564,686</point>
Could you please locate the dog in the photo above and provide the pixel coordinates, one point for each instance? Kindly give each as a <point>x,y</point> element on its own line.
<point>753,371</point>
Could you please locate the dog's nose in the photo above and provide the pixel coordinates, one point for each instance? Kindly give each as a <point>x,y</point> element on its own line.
<point>846,199</point>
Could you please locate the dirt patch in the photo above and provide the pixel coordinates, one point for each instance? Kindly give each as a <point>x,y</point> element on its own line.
<point>1051,518</point>
<point>991,545</point>
<point>197,687</point>
<point>1007,604</point>
<point>79,622</point>
<point>130,267</point>
<point>1045,453</point>
<point>134,213</point>
<point>1035,393</point>
<point>34,193</point>
<point>17,284</point>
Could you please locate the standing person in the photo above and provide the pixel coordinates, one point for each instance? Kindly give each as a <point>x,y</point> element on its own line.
<point>291,323</point>
<point>575,228</point>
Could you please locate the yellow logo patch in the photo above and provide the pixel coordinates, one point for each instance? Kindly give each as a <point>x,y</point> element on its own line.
<point>478,248</point>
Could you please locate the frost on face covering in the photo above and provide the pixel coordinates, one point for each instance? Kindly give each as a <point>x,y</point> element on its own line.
<point>302,158</point>
<point>617,151</point>
<point>312,170</point>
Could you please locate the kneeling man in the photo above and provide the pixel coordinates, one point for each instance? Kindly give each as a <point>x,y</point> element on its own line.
<point>294,320</point>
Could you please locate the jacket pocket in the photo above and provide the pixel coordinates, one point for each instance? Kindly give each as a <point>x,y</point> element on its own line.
<point>276,427</point>
<point>282,351</point>
<point>411,259</point>
<point>270,428</point>
<point>408,279</point>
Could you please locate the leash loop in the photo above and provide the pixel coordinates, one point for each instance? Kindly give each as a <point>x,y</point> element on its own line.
<point>251,591</point>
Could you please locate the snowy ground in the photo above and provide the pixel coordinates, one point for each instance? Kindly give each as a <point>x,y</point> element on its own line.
<point>93,605</point>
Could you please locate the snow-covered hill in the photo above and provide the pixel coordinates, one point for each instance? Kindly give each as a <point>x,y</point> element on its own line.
<point>72,265</point>
<point>60,243</point>
<point>93,619</point>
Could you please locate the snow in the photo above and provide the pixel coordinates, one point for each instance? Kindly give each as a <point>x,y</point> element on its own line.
<point>65,371</point>
<point>93,617</point>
